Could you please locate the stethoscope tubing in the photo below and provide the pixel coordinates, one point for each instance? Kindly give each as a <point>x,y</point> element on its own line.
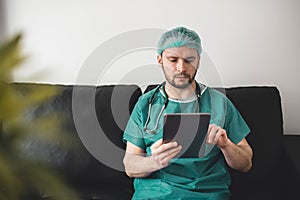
<point>161,86</point>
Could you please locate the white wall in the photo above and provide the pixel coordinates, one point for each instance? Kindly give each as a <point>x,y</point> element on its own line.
<point>2,20</point>
<point>247,42</point>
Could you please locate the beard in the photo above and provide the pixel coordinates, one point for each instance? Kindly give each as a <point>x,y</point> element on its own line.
<point>171,80</point>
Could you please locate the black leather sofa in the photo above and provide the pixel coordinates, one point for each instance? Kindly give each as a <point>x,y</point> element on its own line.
<point>276,163</point>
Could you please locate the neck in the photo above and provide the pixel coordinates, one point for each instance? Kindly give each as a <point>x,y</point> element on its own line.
<point>180,93</point>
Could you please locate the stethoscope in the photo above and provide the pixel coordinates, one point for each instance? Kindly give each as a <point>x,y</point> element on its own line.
<point>159,88</point>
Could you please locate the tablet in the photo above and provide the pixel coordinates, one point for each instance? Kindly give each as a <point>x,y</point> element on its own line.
<point>189,130</point>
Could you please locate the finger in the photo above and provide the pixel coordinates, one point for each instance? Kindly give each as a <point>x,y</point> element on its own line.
<point>217,136</point>
<point>210,127</point>
<point>164,151</point>
<point>211,138</point>
<point>157,144</point>
<point>212,134</point>
<point>167,146</point>
<point>170,152</point>
<point>221,137</point>
<point>169,155</point>
<point>163,147</point>
<point>163,159</point>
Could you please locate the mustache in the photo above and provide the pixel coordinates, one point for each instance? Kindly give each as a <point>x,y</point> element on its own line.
<point>183,74</point>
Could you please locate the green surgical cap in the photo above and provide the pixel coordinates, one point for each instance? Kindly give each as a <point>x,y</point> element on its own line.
<point>178,37</point>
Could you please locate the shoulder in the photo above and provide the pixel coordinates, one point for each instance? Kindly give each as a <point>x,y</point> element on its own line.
<point>214,93</point>
<point>146,98</point>
<point>149,94</point>
<point>218,99</point>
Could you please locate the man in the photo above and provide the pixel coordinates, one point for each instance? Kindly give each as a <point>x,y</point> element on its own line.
<point>158,173</point>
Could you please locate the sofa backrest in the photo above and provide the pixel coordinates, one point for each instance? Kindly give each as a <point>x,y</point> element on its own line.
<point>65,153</point>
<point>261,108</point>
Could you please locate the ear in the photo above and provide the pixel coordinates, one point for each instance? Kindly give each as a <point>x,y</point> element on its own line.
<point>159,59</point>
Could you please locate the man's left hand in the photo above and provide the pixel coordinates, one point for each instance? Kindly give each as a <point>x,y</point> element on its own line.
<point>217,135</point>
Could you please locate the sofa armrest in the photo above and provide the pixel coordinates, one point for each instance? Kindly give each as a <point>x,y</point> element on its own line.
<point>291,165</point>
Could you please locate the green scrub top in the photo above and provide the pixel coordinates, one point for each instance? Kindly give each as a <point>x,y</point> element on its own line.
<point>185,178</point>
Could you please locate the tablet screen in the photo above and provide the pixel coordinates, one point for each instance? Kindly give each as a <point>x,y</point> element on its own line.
<point>189,130</point>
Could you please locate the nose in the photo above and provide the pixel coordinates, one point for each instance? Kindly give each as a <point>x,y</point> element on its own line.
<point>180,66</point>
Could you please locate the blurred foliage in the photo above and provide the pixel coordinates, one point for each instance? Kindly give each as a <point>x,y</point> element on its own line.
<point>20,175</point>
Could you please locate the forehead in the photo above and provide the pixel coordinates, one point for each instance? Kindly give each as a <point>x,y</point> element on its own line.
<point>180,52</point>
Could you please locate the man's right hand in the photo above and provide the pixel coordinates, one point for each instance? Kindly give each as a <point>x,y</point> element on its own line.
<point>138,164</point>
<point>162,153</point>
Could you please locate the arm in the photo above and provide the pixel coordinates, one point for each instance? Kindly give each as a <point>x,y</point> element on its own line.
<point>238,156</point>
<point>138,165</point>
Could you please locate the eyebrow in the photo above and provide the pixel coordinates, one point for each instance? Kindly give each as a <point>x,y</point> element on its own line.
<point>190,57</point>
<point>176,57</point>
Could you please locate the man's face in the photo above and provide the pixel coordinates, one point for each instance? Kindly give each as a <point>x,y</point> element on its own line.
<point>180,65</point>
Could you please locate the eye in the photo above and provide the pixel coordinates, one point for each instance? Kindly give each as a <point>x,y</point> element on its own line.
<point>189,60</point>
<point>173,59</point>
